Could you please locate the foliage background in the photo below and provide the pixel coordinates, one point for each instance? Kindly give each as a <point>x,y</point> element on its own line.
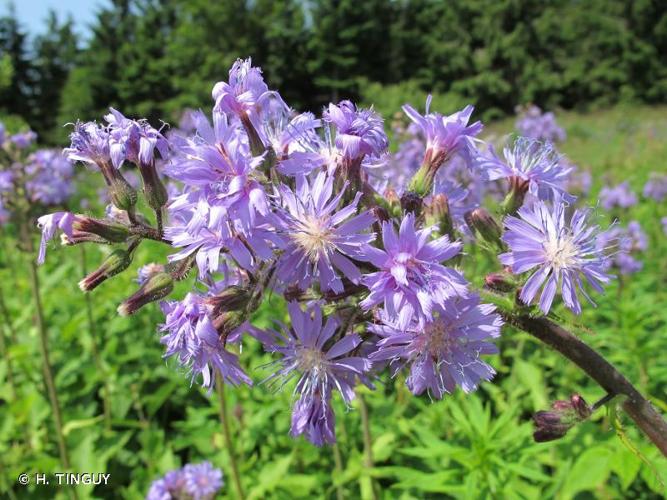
<point>153,58</point>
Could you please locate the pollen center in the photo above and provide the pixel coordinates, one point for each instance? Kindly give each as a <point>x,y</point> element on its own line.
<point>438,338</point>
<point>311,360</point>
<point>314,236</point>
<point>561,252</point>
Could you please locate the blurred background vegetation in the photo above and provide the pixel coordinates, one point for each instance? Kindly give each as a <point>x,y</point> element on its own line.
<point>153,58</point>
<point>604,61</point>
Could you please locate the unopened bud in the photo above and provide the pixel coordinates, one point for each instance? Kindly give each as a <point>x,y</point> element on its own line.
<point>232,298</point>
<point>256,145</point>
<point>115,263</point>
<point>380,213</point>
<point>554,424</point>
<point>108,230</point>
<point>157,287</point>
<point>122,194</point>
<point>482,223</point>
<point>412,202</point>
<point>154,190</point>
<point>500,282</point>
<point>227,321</point>
<point>516,195</point>
<point>438,214</point>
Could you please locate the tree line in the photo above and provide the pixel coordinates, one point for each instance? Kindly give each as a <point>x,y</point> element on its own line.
<point>153,58</point>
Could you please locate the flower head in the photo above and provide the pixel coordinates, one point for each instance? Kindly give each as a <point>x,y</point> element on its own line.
<point>617,196</point>
<point>534,164</point>
<point>243,91</point>
<point>445,351</point>
<point>359,132</point>
<point>538,125</point>
<point>445,136</point>
<point>656,187</point>
<point>562,252</point>
<point>321,365</point>
<point>50,177</point>
<point>135,141</point>
<point>23,140</point>
<point>202,481</point>
<point>89,144</point>
<point>411,279</point>
<point>191,337</point>
<point>49,224</point>
<point>318,237</point>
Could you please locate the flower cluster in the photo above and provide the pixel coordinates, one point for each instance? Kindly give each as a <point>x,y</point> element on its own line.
<point>193,481</point>
<point>365,247</point>
<point>629,242</point>
<point>42,178</point>
<point>619,196</point>
<point>536,124</point>
<point>656,187</point>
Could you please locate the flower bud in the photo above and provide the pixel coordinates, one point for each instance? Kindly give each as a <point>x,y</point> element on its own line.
<point>232,298</point>
<point>226,322</point>
<point>438,214</point>
<point>154,190</point>
<point>481,222</point>
<point>115,263</point>
<point>122,194</point>
<point>517,193</point>
<point>554,424</point>
<point>256,145</point>
<point>108,230</point>
<point>500,282</point>
<point>157,287</point>
<point>412,202</point>
<point>380,213</point>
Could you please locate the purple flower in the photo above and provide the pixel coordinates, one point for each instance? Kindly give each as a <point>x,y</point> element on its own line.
<point>194,341</point>
<point>318,237</point>
<point>320,369</point>
<point>535,124</point>
<point>618,196</point>
<point>532,163</point>
<point>411,279</point>
<point>135,141</point>
<point>445,351</point>
<point>656,187</point>
<point>89,144</point>
<point>446,136</point>
<point>561,251</point>
<point>202,481</point>
<point>359,132</point>
<point>628,242</point>
<point>49,224</point>
<point>147,271</point>
<point>244,90</point>
<point>23,140</point>
<point>3,134</point>
<point>169,487</point>
<point>195,481</point>
<point>50,177</point>
<point>219,163</point>
<point>664,225</point>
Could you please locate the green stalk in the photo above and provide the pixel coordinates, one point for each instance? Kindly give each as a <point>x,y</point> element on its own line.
<point>44,350</point>
<point>229,442</point>
<point>368,441</point>
<point>338,468</point>
<point>99,365</point>
<point>3,346</point>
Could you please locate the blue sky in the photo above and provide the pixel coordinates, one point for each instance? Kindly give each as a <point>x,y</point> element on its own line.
<point>32,13</point>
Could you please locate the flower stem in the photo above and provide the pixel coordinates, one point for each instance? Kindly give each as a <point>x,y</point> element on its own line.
<point>229,442</point>
<point>3,346</point>
<point>97,358</point>
<point>338,469</point>
<point>46,366</point>
<point>368,441</point>
<point>599,369</point>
